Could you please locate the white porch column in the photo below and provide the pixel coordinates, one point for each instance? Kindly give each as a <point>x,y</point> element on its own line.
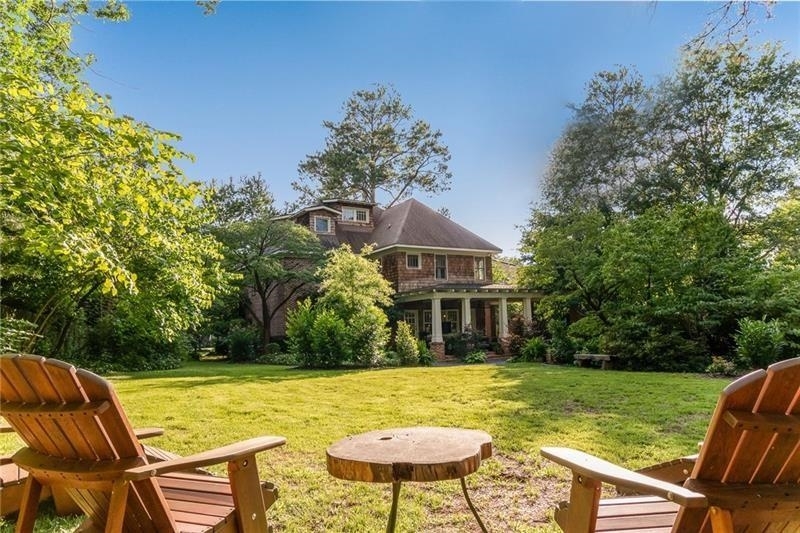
<point>527,313</point>
<point>466,316</point>
<point>503,317</point>
<point>436,320</point>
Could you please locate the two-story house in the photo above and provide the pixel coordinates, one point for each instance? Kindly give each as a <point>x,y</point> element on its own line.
<point>441,272</point>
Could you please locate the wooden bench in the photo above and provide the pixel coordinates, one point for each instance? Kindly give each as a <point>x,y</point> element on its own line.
<point>585,359</point>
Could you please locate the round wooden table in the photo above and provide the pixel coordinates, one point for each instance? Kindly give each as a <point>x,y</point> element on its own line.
<point>410,454</point>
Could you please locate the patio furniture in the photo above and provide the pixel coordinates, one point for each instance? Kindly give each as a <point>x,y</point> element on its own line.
<point>744,479</point>
<point>13,478</point>
<point>78,438</point>
<point>410,454</point>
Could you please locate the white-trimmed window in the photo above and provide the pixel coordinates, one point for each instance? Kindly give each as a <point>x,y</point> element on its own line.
<point>413,261</point>
<point>480,268</point>
<point>410,318</point>
<point>322,225</point>
<point>426,321</point>
<point>355,214</point>
<point>450,321</point>
<point>440,267</point>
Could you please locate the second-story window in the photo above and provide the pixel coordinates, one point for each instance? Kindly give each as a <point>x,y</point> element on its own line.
<point>480,268</point>
<point>441,267</point>
<point>355,214</point>
<point>412,261</point>
<point>322,224</point>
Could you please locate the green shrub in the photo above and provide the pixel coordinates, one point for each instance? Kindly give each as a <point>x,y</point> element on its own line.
<point>513,344</point>
<point>425,357</point>
<point>641,345</point>
<point>475,358</point>
<point>456,344</point>
<point>535,349</point>
<point>758,342</point>
<point>115,343</point>
<point>366,336</point>
<point>406,345</point>
<point>273,348</point>
<point>585,334</point>
<point>279,358</point>
<point>389,359</point>
<point>319,338</point>
<point>243,344</point>
<point>329,341</point>
<point>721,367</point>
<point>562,347</point>
<point>299,328</point>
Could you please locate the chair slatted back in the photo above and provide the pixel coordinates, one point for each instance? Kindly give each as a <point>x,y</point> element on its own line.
<point>73,419</point>
<point>753,441</point>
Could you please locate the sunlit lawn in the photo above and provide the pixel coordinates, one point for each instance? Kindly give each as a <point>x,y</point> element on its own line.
<point>635,419</point>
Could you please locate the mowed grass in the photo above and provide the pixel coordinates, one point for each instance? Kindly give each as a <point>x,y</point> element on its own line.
<point>634,419</point>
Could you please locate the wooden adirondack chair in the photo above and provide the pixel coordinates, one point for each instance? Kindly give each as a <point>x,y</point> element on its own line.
<point>746,477</point>
<point>13,478</point>
<point>78,438</point>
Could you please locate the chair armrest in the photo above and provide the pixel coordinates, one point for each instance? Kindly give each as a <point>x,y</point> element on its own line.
<point>593,467</point>
<point>211,457</point>
<point>676,472</point>
<point>146,433</point>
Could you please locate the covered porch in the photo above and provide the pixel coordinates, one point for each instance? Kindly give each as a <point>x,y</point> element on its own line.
<point>434,312</point>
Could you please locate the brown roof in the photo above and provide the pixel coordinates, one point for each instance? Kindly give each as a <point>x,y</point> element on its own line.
<point>412,223</point>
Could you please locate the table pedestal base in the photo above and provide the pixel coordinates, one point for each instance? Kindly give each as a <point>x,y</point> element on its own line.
<point>396,496</point>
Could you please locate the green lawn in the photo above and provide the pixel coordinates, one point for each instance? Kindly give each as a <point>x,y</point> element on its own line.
<point>635,419</point>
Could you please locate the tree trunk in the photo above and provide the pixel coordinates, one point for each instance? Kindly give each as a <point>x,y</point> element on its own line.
<point>265,323</point>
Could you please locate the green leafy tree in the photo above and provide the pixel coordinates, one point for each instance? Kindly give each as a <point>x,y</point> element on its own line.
<point>597,158</point>
<point>95,206</point>
<point>353,287</point>
<point>377,147</point>
<point>276,258</point>
<point>683,273</point>
<point>505,270</point>
<point>729,125</point>
<point>670,212</point>
<point>724,129</point>
<point>565,255</point>
<point>353,282</point>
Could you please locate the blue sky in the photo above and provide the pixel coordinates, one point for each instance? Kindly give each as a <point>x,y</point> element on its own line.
<point>248,87</point>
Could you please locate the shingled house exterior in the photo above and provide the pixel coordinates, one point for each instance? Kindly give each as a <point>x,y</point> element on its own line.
<point>441,272</point>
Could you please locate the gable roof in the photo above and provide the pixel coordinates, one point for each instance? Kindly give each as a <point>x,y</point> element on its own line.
<point>412,223</point>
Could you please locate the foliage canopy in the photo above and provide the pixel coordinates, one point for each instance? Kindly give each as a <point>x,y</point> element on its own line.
<point>276,259</point>
<point>377,147</point>
<point>670,212</point>
<point>95,206</point>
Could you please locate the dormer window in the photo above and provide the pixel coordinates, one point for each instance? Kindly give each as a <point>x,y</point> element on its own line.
<point>322,224</point>
<point>355,214</point>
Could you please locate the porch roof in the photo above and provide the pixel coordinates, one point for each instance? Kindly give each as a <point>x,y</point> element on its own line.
<point>445,291</point>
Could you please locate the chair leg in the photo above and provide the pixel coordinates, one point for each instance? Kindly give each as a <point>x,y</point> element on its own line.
<point>584,502</point>
<point>116,506</point>
<point>721,520</point>
<point>247,495</point>
<point>29,506</point>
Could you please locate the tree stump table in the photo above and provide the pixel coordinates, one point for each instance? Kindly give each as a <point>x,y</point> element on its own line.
<point>410,454</point>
